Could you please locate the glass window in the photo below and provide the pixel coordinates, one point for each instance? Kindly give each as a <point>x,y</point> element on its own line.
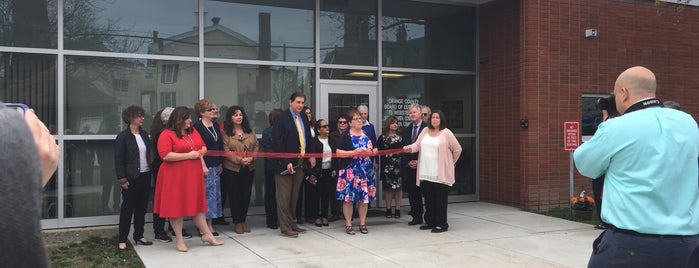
<point>49,199</point>
<point>348,32</point>
<point>454,95</point>
<point>132,26</point>
<point>28,23</point>
<point>427,35</point>
<point>93,106</point>
<point>90,180</point>
<point>465,170</point>
<point>260,30</point>
<point>257,88</point>
<point>31,79</point>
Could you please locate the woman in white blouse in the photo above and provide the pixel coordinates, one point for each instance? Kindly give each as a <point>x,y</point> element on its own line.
<point>439,150</point>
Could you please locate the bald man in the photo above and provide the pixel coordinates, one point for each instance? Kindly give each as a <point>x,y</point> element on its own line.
<point>651,191</point>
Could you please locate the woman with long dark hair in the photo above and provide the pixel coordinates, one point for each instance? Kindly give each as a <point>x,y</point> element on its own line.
<point>238,170</point>
<point>439,150</point>
<point>180,189</point>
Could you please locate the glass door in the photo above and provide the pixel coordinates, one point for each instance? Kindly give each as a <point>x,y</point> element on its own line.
<point>339,96</point>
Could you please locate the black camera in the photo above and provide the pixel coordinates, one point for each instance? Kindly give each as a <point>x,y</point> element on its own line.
<point>607,104</point>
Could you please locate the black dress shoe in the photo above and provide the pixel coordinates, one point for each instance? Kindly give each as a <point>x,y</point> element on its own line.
<point>220,221</point>
<point>185,234</point>
<point>426,227</point>
<point>142,242</point>
<point>439,229</point>
<point>415,221</point>
<point>163,237</point>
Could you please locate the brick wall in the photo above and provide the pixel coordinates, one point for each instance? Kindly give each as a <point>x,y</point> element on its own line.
<point>539,64</point>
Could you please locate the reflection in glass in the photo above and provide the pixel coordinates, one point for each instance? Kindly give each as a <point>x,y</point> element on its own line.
<point>259,30</point>
<point>453,94</point>
<point>427,35</point>
<point>90,183</point>
<point>132,26</point>
<point>49,199</point>
<point>348,32</point>
<point>97,89</point>
<point>347,74</point>
<point>30,79</point>
<point>258,89</point>
<point>465,170</point>
<point>28,23</point>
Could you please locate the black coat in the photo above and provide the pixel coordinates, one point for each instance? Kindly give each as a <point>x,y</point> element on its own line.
<point>126,154</point>
<point>285,138</point>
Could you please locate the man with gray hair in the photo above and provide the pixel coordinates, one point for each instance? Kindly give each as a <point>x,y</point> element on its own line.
<point>409,163</point>
<point>651,199</point>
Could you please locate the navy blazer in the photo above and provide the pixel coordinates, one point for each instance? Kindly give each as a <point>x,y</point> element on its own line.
<point>126,154</point>
<point>407,134</point>
<point>285,138</point>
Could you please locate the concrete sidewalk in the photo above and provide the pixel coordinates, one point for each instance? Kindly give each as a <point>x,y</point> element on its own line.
<point>480,235</point>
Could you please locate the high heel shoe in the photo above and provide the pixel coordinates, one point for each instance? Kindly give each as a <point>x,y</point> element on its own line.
<point>211,241</point>
<point>119,246</point>
<point>182,249</point>
<point>318,223</point>
<point>325,222</point>
<point>142,242</point>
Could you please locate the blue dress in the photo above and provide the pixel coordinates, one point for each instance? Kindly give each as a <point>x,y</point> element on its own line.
<point>357,181</point>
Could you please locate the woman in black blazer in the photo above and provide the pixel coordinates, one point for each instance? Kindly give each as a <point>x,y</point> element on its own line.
<point>132,150</point>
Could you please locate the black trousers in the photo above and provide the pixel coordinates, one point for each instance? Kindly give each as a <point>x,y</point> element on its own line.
<point>436,200</point>
<point>270,198</point>
<point>597,188</point>
<point>326,189</point>
<point>133,204</point>
<point>414,194</point>
<point>615,248</point>
<point>158,222</point>
<point>240,190</point>
<point>224,195</point>
<point>311,205</point>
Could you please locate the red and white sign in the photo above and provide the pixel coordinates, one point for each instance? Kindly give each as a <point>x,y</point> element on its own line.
<point>571,135</point>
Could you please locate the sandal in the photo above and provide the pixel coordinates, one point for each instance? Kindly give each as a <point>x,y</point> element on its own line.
<point>349,230</point>
<point>362,229</point>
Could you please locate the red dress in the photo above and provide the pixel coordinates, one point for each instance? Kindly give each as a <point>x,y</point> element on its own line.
<point>180,187</point>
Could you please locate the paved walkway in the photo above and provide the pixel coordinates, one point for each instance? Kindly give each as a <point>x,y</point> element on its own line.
<point>480,235</point>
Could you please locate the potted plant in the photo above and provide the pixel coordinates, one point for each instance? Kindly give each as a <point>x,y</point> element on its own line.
<point>582,205</point>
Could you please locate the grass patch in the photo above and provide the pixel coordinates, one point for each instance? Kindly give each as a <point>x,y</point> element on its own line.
<point>564,213</point>
<point>94,252</point>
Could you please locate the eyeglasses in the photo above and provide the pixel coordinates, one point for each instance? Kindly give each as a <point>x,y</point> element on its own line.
<point>212,109</point>
<point>323,126</point>
<point>425,114</point>
<point>342,122</point>
<point>356,118</point>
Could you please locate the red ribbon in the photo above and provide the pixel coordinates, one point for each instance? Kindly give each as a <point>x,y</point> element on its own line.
<point>298,155</point>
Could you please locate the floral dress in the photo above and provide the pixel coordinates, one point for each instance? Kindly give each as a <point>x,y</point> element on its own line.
<point>357,181</point>
<point>390,164</point>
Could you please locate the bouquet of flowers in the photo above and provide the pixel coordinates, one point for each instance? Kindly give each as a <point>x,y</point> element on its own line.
<point>583,202</point>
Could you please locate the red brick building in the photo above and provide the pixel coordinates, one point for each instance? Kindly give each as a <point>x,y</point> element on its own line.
<point>535,63</point>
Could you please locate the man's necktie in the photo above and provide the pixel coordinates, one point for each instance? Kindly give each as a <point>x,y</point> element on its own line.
<point>302,140</point>
<point>414,133</point>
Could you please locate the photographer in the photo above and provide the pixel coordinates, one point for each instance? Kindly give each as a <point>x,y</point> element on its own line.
<point>649,155</point>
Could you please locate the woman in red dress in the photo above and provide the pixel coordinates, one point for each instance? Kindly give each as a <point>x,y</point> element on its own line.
<point>180,185</point>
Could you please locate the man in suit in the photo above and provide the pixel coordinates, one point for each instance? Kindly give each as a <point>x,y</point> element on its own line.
<point>291,134</point>
<point>409,164</point>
